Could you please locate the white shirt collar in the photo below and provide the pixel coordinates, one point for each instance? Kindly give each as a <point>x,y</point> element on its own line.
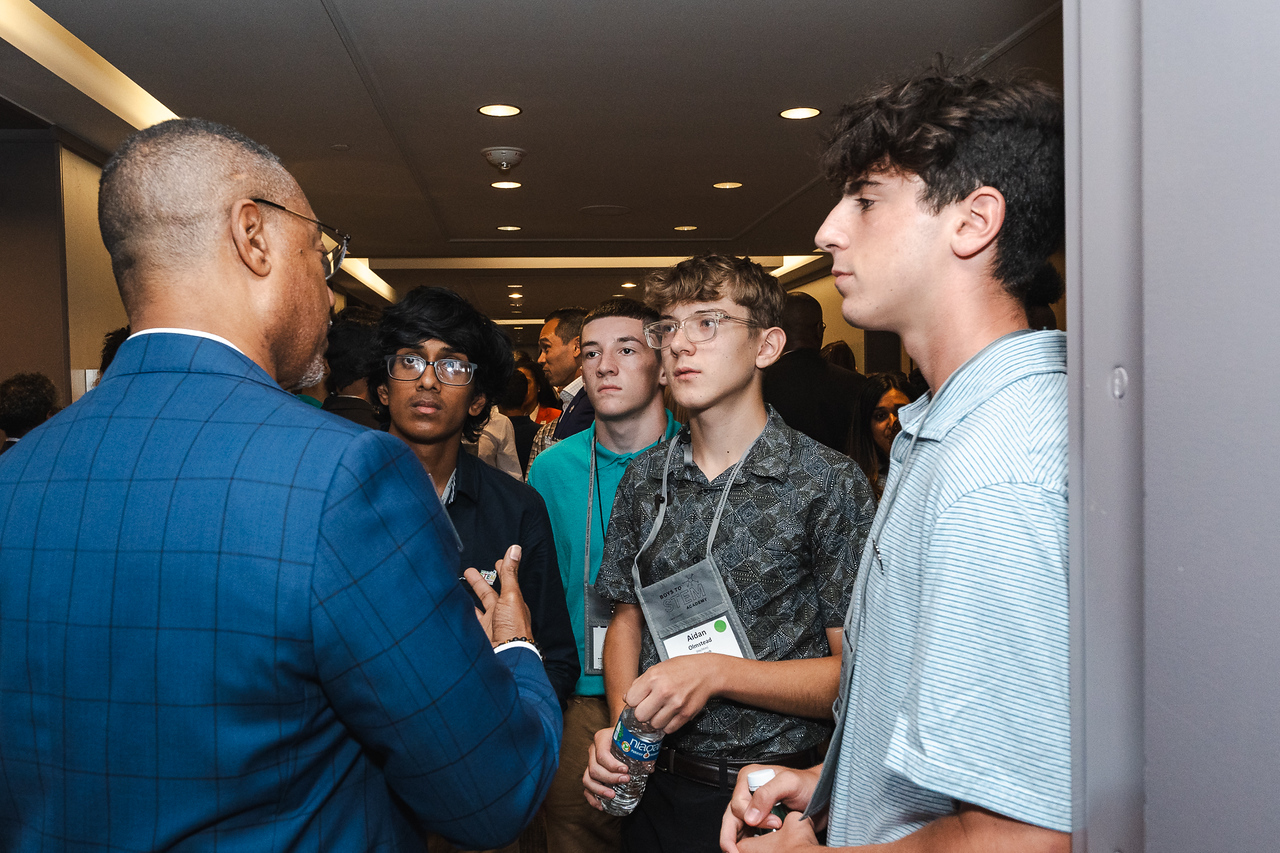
<point>450,489</point>
<point>195,333</point>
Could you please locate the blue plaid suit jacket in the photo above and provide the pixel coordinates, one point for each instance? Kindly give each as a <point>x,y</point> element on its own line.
<point>231,621</point>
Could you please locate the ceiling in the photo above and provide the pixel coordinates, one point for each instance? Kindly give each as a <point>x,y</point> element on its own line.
<point>641,104</point>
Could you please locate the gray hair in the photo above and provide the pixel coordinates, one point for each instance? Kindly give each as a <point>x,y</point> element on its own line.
<point>164,192</point>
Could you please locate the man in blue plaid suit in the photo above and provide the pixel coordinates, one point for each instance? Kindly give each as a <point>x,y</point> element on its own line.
<point>230,620</point>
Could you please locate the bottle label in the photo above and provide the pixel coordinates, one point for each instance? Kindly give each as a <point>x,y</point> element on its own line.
<point>634,747</point>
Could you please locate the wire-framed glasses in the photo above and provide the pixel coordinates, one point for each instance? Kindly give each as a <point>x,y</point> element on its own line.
<point>332,258</point>
<point>699,327</point>
<point>450,371</point>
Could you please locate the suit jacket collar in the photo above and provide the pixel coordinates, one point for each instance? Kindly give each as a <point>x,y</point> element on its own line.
<point>165,352</point>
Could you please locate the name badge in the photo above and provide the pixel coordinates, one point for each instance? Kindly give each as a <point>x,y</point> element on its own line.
<point>715,635</point>
<point>597,647</point>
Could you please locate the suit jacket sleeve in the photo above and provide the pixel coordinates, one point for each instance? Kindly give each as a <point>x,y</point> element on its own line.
<point>467,739</point>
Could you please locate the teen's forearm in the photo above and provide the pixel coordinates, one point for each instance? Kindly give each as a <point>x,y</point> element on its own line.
<point>622,655</point>
<point>804,688</point>
<point>975,830</point>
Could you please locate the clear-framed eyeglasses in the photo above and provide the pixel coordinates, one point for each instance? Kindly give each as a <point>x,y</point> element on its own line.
<point>450,371</point>
<point>699,327</point>
<point>337,252</point>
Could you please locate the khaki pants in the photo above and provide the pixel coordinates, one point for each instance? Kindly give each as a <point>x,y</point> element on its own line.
<point>573,826</point>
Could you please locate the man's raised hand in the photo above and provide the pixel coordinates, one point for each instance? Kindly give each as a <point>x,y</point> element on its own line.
<point>503,616</point>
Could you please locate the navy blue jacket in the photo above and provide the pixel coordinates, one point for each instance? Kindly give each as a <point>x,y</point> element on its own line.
<point>576,417</point>
<point>492,511</point>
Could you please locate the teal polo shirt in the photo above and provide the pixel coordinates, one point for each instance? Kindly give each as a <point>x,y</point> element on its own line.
<point>561,474</point>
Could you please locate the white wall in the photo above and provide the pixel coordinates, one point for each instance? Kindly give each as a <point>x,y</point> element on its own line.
<point>1210,217</point>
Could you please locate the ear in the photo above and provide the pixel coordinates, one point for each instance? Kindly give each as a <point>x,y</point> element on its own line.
<point>382,395</point>
<point>576,343</point>
<point>979,218</point>
<point>772,342</point>
<point>248,233</point>
<point>479,403</point>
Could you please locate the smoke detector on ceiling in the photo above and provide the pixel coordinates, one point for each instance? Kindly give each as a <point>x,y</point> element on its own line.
<point>504,157</point>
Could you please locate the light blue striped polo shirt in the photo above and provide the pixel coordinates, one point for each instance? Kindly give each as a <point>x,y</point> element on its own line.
<point>959,688</point>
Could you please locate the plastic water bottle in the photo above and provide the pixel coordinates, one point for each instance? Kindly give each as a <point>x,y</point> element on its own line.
<point>756,780</point>
<point>636,745</point>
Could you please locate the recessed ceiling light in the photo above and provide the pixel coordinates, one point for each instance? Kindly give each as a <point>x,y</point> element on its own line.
<point>505,185</point>
<point>727,185</point>
<point>604,210</point>
<point>516,311</point>
<point>686,227</point>
<point>800,112</point>
<point>519,328</point>
<point>516,295</point>
<point>516,286</point>
<point>628,284</point>
<point>619,294</point>
<point>341,146</point>
<point>508,227</point>
<point>500,110</point>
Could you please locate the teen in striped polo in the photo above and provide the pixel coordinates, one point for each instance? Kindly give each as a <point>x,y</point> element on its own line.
<point>953,724</point>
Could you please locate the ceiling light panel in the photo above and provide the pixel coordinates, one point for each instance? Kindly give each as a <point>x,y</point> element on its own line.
<point>800,113</point>
<point>727,185</point>
<point>500,110</point>
<point>505,185</point>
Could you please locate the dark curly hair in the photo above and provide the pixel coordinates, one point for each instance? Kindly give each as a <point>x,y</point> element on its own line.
<point>436,312</point>
<point>958,133</point>
<point>26,401</point>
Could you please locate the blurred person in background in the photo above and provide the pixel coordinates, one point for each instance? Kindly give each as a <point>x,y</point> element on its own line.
<point>841,355</point>
<point>515,405</point>
<point>875,423</point>
<point>26,401</point>
<point>543,405</point>
<point>350,348</point>
<point>812,395</point>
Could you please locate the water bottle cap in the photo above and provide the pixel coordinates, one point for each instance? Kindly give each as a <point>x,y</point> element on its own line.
<point>759,777</point>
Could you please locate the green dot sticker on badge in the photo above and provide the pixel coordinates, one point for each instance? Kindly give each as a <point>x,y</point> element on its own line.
<point>720,626</point>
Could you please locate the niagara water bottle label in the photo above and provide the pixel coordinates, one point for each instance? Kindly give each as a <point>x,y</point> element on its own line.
<point>633,747</point>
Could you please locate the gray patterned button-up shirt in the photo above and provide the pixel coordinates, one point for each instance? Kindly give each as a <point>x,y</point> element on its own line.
<point>788,550</point>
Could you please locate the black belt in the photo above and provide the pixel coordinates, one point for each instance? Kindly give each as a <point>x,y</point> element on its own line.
<point>722,773</point>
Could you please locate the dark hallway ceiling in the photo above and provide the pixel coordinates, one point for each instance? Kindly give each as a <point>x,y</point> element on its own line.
<point>642,105</point>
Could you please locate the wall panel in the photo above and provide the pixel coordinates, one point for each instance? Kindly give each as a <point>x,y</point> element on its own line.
<point>32,278</point>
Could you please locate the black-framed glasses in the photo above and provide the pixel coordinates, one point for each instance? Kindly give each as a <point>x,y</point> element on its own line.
<point>450,371</point>
<point>332,258</point>
<point>699,327</point>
